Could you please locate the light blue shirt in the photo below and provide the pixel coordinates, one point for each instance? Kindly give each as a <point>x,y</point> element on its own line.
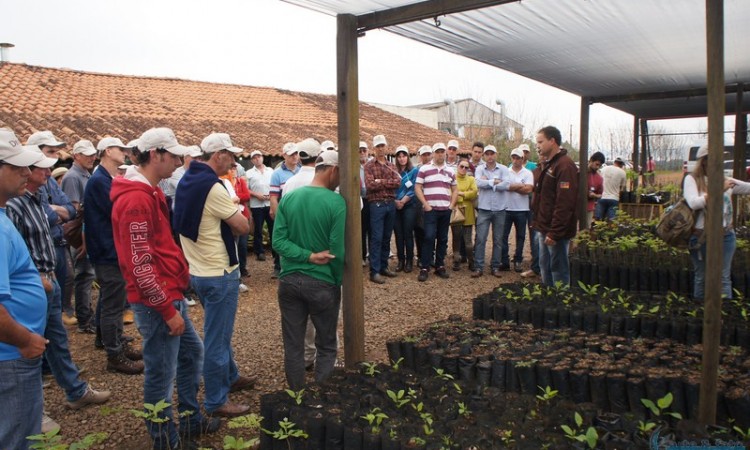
<point>21,291</point>
<point>492,197</point>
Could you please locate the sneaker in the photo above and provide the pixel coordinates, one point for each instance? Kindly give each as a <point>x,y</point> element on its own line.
<point>529,274</point>
<point>517,266</point>
<point>423,274</point>
<point>441,272</point>
<point>90,397</point>
<point>128,317</point>
<point>122,364</point>
<point>243,288</point>
<point>208,425</point>
<point>190,301</point>
<point>69,319</point>
<point>130,352</point>
<point>48,423</point>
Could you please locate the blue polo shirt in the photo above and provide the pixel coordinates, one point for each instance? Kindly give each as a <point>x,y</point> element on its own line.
<point>97,218</point>
<point>51,194</point>
<point>21,291</point>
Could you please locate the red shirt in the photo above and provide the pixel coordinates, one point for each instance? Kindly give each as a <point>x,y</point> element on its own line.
<point>596,186</point>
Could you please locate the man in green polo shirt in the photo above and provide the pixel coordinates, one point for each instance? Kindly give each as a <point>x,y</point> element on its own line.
<point>309,235</point>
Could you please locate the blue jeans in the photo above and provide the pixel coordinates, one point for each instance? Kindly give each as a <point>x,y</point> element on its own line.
<point>436,226</point>
<point>605,209</point>
<point>61,273</point>
<point>404,230</point>
<point>21,392</point>
<point>166,358</point>
<point>698,257</point>
<point>261,215</point>
<point>382,217</point>
<point>57,353</point>
<point>517,218</point>
<point>485,218</point>
<point>553,261</point>
<point>218,295</point>
<point>300,297</point>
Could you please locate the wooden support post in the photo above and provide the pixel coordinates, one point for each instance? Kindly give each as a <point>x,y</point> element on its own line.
<point>713,226</point>
<point>636,137</point>
<point>583,159</point>
<point>348,118</point>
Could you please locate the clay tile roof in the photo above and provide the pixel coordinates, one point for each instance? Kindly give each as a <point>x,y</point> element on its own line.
<point>82,105</point>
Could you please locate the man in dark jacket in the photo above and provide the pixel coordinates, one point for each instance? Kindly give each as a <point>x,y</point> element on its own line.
<point>554,205</point>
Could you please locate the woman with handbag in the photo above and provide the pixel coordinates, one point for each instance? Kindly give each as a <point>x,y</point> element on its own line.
<point>406,211</point>
<point>463,230</point>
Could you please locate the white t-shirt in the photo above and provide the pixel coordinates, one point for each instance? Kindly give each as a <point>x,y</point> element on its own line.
<point>517,201</point>
<point>614,182</point>
<point>260,183</point>
<point>301,179</point>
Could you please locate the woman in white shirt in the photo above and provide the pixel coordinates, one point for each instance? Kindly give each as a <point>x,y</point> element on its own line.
<point>696,195</point>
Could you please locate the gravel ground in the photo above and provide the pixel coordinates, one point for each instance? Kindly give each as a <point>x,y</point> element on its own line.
<point>390,310</point>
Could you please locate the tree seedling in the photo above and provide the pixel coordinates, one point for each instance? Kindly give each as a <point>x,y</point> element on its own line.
<point>399,398</point>
<point>442,374</point>
<point>744,434</point>
<point>547,394</point>
<point>463,410</point>
<point>52,440</point>
<point>396,365</point>
<point>659,408</point>
<point>286,431</point>
<point>590,437</point>
<point>375,418</point>
<point>296,395</point>
<point>371,369</point>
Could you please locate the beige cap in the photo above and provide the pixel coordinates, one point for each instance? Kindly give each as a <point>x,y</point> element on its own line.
<point>163,138</point>
<point>328,145</point>
<point>517,152</point>
<point>84,147</point>
<point>60,171</point>
<point>328,158</point>
<point>379,140</point>
<point>13,153</point>
<point>194,151</point>
<point>42,161</point>
<point>290,148</point>
<point>255,153</point>
<point>44,138</point>
<point>362,144</point>
<point>425,149</point>
<point>402,149</point>
<point>309,148</point>
<point>453,143</point>
<point>438,146</point>
<point>490,148</point>
<point>108,142</point>
<point>216,142</point>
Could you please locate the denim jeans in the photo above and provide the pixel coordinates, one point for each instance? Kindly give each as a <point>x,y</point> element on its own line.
<point>404,231</point>
<point>218,295</point>
<point>21,392</point>
<point>485,218</point>
<point>84,276</point>
<point>517,218</point>
<point>698,257</point>
<point>462,237</point>
<point>166,358</point>
<point>382,217</point>
<point>61,273</point>
<point>260,216</point>
<point>112,300</point>
<point>301,296</point>
<point>605,209</point>
<point>436,226</point>
<point>553,261</point>
<point>57,352</point>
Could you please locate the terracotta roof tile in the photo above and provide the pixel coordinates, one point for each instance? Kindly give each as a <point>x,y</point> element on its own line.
<point>82,105</point>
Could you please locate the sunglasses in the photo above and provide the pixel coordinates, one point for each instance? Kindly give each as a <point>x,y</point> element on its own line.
<point>463,167</point>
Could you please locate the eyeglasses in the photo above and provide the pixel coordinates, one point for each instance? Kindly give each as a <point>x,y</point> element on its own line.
<point>463,167</point>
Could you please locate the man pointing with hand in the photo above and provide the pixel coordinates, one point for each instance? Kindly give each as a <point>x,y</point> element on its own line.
<point>309,235</point>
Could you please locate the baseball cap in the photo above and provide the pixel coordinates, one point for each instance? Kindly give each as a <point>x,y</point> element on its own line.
<point>453,143</point>
<point>194,151</point>
<point>309,148</point>
<point>702,151</point>
<point>328,145</point>
<point>84,147</point>
<point>216,142</point>
<point>123,167</point>
<point>59,172</point>
<point>161,138</point>
<point>517,152</point>
<point>402,149</point>
<point>490,148</point>
<point>13,153</point>
<point>425,149</point>
<point>619,160</point>
<point>133,144</point>
<point>290,148</point>
<point>255,153</point>
<point>524,148</point>
<point>438,146</point>
<point>379,140</point>
<point>328,158</point>
<point>44,138</point>
<point>108,142</point>
<point>362,144</point>
<point>42,161</point>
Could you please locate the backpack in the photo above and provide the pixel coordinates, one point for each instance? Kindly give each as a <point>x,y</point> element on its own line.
<point>677,224</point>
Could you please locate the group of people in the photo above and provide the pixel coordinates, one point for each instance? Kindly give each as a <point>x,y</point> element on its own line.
<point>604,188</point>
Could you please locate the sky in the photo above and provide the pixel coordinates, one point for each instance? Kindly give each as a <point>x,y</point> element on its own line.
<point>276,44</point>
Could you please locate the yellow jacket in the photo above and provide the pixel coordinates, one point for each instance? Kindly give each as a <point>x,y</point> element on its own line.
<point>468,186</point>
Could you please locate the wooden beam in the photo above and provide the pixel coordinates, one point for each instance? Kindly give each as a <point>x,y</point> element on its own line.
<point>348,120</point>
<point>697,92</point>
<point>740,137</point>
<point>713,226</point>
<point>583,159</point>
<point>428,9</point>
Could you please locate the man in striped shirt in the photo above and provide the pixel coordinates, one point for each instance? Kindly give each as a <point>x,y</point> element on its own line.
<point>437,190</point>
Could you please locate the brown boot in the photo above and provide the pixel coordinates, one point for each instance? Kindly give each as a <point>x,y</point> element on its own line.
<point>122,364</point>
<point>230,409</point>
<point>131,352</point>
<point>243,383</point>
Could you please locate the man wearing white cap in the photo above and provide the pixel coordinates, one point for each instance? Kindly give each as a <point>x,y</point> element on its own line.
<point>425,157</point>
<point>451,156</point>
<point>191,152</point>
<point>23,308</point>
<point>207,221</point>
<point>27,214</point>
<point>100,247</point>
<point>327,145</point>
<point>157,274</point>
<point>310,238</point>
<point>74,185</point>
<point>288,168</point>
<point>307,151</point>
<point>521,185</point>
<point>259,183</point>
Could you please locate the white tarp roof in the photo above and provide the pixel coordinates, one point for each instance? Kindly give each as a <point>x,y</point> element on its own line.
<point>592,48</point>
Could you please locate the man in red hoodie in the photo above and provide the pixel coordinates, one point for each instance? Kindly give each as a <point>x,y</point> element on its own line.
<point>156,274</point>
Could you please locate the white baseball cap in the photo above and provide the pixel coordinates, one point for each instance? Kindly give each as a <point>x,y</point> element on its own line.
<point>44,138</point>
<point>438,146</point>
<point>194,151</point>
<point>362,144</point>
<point>328,145</point>
<point>702,151</point>
<point>379,140</point>
<point>425,149</point>
<point>328,158</point>
<point>216,142</point>
<point>290,148</point>
<point>13,153</point>
<point>524,148</point>
<point>133,144</point>
<point>163,138</point>
<point>453,143</point>
<point>255,153</point>
<point>402,148</point>
<point>517,152</point>
<point>490,148</point>
<point>309,148</point>
<point>84,147</point>
<point>42,161</point>
<point>108,142</point>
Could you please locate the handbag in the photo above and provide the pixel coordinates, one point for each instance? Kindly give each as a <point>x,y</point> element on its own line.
<point>73,229</point>
<point>457,216</point>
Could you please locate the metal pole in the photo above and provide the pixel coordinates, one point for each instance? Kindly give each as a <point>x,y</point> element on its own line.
<point>713,226</point>
<point>583,158</point>
<point>348,118</point>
